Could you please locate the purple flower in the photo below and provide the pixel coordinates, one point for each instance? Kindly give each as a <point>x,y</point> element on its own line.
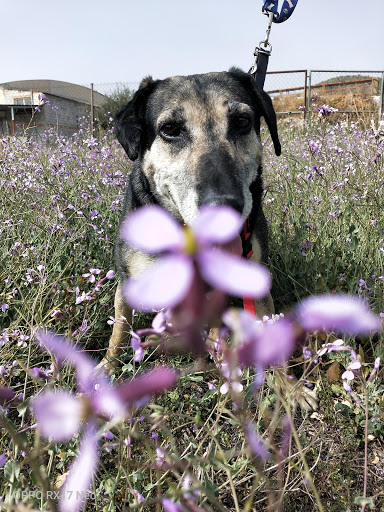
<point>136,347</point>
<point>375,369</point>
<point>3,460</point>
<point>83,297</point>
<point>110,274</point>
<point>6,394</point>
<point>260,344</point>
<point>139,497</point>
<point>4,307</point>
<point>325,111</point>
<point>61,414</point>
<point>233,376</point>
<point>335,346</point>
<point>92,273</point>
<point>349,374</point>
<point>255,443</point>
<point>340,313</point>
<point>169,279</point>
<point>171,506</point>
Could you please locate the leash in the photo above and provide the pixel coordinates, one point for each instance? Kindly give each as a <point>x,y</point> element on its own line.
<point>258,71</point>
<point>262,52</point>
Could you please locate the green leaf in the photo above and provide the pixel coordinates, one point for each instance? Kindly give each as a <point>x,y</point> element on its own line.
<point>12,471</point>
<point>360,500</point>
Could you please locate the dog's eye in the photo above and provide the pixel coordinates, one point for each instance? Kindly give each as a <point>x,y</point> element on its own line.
<point>242,122</point>
<point>170,130</point>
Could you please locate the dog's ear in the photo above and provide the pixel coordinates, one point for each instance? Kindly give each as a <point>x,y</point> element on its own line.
<point>130,121</point>
<point>269,115</point>
<point>263,104</point>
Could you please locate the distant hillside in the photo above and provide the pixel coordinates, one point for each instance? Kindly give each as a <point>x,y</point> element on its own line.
<point>345,78</point>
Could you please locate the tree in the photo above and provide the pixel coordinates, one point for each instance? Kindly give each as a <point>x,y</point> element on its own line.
<point>114,103</point>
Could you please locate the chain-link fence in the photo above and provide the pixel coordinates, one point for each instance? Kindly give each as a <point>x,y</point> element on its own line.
<point>298,92</point>
<point>288,90</point>
<point>355,94</point>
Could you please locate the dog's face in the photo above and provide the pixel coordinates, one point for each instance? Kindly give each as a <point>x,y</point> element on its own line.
<point>197,139</point>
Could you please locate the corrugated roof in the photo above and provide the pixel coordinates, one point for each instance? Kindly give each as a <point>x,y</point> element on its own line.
<point>57,88</point>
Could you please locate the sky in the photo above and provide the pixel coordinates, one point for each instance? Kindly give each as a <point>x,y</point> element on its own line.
<point>107,41</point>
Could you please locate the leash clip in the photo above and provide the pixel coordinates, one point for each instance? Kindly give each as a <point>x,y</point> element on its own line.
<point>265,43</point>
<point>265,46</point>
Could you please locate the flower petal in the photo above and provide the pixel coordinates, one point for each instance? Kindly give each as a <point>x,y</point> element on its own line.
<point>6,394</point>
<point>164,285</point>
<point>234,275</point>
<point>77,484</point>
<point>60,348</point>
<point>217,225</point>
<point>274,344</point>
<point>106,401</point>
<point>152,229</point>
<point>255,443</point>
<point>348,375</point>
<point>154,382</point>
<point>340,313</point>
<point>58,414</point>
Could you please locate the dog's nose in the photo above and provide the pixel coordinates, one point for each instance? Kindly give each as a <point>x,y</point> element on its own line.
<point>225,200</point>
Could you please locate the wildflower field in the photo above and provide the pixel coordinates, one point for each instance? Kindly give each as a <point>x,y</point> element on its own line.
<point>221,432</point>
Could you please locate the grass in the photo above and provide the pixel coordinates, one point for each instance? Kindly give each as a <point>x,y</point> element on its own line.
<point>60,205</point>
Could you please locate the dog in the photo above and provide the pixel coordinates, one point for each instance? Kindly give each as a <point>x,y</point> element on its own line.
<point>194,140</point>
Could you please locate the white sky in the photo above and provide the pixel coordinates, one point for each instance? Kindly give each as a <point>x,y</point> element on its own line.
<point>105,41</point>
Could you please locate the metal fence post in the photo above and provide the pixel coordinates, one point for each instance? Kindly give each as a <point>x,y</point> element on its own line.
<point>309,118</point>
<point>381,100</point>
<point>91,110</point>
<point>305,93</point>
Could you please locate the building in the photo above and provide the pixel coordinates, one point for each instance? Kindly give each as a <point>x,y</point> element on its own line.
<point>36,105</point>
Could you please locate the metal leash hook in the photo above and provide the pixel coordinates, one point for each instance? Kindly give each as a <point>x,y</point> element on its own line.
<point>265,46</point>
<point>263,51</point>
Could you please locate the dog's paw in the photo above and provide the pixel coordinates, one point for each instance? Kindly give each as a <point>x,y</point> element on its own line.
<point>306,398</point>
<point>299,393</point>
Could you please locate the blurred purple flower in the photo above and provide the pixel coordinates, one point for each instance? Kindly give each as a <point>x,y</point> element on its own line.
<point>161,455</point>
<point>255,443</point>
<point>6,394</point>
<point>260,344</point>
<point>170,278</point>
<point>4,307</point>
<point>325,110</point>
<point>136,347</point>
<point>171,506</point>
<point>137,495</point>
<point>61,414</point>
<point>3,460</point>
<point>339,313</point>
<point>375,369</point>
<point>83,297</point>
<point>110,274</point>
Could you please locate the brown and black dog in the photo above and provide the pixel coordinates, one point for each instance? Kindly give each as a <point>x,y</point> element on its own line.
<point>194,141</point>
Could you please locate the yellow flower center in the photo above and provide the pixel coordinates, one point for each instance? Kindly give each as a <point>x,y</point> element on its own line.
<point>190,246</point>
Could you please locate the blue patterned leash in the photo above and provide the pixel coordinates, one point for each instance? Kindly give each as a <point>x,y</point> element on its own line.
<point>263,51</point>
<point>271,6</point>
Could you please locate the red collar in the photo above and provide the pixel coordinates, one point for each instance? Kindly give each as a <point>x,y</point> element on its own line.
<point>248,303</point>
